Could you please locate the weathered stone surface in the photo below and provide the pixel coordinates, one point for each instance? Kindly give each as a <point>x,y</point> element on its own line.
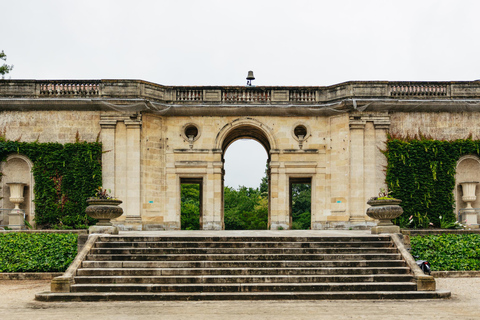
<point>148,155</point>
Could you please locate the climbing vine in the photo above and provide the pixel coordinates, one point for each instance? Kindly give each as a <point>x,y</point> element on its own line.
<point>421,172</point>
<point>65,175</point>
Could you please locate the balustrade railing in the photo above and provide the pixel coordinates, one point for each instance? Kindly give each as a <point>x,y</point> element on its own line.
<point>70,88</point>
<point>189,95</point>
<point>246,95</point>
<point>302,95</point>
<point>418,90</point>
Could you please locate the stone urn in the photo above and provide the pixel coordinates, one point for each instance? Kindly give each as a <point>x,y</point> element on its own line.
<point>104,210</point>
<point>384,210</point>
<point>469,188</point>
<point>16,216</point>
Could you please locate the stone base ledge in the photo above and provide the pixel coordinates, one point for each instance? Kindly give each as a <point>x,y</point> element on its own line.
<point>456,274</point>
<point>29,275</point>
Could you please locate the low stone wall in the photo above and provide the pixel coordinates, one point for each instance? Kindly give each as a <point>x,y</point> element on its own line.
<point>29,275</point>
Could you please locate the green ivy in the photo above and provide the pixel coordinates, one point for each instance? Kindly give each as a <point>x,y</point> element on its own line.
<point>421,172</point>
<point>37,252</point>
<point>448,252</point>
<point>65,176</point>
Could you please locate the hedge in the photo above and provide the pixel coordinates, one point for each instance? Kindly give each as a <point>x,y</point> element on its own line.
<point>448,252</point>
<point>37,252</point>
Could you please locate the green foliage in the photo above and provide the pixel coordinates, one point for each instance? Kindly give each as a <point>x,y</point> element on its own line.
<point>301,206</point>
<point>190,207</point>
<point>65,176</point>
<point>5,68</point>
<point>448,251</point>
<point>245,209</point>
<point>37,252</point>
<point>421,172</point>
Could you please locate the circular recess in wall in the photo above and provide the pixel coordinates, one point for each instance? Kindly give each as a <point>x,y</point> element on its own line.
<point>190,132</point>
<point>301,131</point>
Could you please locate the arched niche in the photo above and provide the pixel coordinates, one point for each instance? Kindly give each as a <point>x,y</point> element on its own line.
<point>18,168</point>
<point>468,169</point>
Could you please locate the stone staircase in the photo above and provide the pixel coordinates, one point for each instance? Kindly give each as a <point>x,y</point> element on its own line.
<point>241,268</point>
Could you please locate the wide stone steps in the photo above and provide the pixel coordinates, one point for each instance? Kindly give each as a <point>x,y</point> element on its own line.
<point>142,279</point>
<point>245,264</point>
<point>235,244</point>
<point>245,268</point>
<point>237,251</point>
<point>244,287</point>
<point>241,257</point>
<point>156,272</point>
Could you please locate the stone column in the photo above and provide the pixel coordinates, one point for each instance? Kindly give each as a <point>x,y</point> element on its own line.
<point>133,206</point>
<point>381,128</point>
<point>108,155</point>
<point>370,153</point>
<point>357,177</point>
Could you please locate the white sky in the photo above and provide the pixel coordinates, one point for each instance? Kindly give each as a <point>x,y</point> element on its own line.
<point>209,42</point>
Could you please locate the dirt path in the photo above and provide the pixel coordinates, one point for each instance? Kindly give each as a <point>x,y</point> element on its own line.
<point>17,302</point>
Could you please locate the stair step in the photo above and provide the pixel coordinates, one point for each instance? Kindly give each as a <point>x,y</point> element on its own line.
<point>256,244</point>
<point>168,239</point>
<point>238,271</point>
<point>245,287</point>
<point>237,251</point>
<point>142,279</point>
<point>245,264</point>
<point>198,296</point>
<point>244,257</point>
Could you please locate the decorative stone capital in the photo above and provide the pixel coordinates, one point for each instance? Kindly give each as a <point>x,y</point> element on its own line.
<point>133,124</point>
<point>108,124</point>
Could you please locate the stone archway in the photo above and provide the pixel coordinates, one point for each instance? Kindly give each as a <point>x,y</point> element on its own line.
<point>245,128</point>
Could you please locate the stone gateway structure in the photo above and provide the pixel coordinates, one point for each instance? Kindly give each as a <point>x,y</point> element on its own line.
<point>157,137</point>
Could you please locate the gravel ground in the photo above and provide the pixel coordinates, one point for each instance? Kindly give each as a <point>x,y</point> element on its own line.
<point>17,302</point>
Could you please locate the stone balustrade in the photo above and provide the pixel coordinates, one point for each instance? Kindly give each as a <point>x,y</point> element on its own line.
<point>73,88</point>
<point>420,89</point>
<point>137,89</point>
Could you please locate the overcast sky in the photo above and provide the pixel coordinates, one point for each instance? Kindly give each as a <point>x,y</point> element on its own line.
<point>312,43</point>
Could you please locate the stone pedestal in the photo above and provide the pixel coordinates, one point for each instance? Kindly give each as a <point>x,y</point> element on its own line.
<point>16,217</point>
<point>384,210</point>
<point>468,188</point>
<point>103,229</point>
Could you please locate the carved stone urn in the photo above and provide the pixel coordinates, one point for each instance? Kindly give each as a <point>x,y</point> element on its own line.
<point>384,210</point>
<point>468,188</point>
<point>104,210</point>
<point>16,216</point>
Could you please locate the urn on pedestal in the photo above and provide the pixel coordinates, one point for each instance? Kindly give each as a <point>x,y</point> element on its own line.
<point>104,209</point>
<point>469,213</point>
<point>384,210</point>
<point>16,217</point>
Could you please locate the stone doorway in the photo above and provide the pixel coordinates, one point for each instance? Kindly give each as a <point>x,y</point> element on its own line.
<point>300,202</point>
<point>191,212</point>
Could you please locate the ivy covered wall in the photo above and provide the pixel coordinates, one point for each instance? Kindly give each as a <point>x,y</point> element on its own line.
<point>65,175</point>
<point>421,172</point>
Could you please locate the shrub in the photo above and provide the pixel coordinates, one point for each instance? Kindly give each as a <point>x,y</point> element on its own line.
<point>37,252</point>
<point>448,252</point>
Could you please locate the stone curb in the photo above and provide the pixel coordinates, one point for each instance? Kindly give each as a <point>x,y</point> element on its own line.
<point>456,274</point>
<point>45,231</point>
<point>29,275</point>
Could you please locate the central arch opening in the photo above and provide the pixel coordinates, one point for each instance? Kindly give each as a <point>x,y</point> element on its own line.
<point>246,179</point>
